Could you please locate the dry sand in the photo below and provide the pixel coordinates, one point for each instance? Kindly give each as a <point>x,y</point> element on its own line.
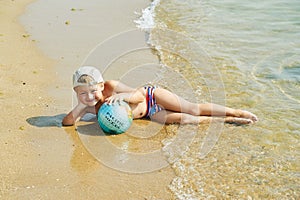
<point>40,160</point>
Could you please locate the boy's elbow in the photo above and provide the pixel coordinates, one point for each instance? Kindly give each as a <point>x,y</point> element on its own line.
<point>141,96</point>
<point>67,122</point>
<point>141,99</point>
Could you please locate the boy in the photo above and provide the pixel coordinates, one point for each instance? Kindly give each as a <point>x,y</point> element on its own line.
<point>152,102</point>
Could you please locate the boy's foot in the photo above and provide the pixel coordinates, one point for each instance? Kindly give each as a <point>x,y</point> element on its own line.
<point>247,115</point>
<point>237,120</point>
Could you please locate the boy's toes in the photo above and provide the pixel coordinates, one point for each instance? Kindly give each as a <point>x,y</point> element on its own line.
<point>252,116</point>
<point>237,120</point>
<point>248,115</point>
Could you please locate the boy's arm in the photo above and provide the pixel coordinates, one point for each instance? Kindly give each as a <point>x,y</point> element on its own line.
<point>134,97</point>
<point>119,87</point>
<point>74,115</point>
<point>124,92</point>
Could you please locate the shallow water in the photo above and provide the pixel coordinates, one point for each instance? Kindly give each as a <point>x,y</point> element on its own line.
<point>254,49</point>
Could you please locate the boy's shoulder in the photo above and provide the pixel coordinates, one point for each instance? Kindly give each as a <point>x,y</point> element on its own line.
<point>111,83</point>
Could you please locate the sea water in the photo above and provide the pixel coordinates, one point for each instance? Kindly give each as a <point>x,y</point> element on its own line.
<point>244,54</point>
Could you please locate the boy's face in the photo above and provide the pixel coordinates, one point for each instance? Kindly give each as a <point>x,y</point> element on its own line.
<point>89,95</point>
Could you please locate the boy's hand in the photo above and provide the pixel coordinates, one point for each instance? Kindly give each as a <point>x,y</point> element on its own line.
<point>75,114</point>
<point>134,97</point>
<point>80,107</point>
<point>117,98</point>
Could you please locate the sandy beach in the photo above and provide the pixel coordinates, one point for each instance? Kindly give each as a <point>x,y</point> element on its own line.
<point>40,159</point>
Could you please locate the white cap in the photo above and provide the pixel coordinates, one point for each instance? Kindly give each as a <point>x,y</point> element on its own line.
<point>87,70</point>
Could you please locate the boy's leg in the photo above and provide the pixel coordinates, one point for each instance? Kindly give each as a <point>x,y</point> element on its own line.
<point>218,110</point>
<point>173,102</point>
<point>169,117</point>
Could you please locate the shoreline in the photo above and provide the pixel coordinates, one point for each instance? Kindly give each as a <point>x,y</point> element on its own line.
<point>42,160</point>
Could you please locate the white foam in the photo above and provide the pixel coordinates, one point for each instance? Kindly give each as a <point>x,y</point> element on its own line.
<point>147,20</point>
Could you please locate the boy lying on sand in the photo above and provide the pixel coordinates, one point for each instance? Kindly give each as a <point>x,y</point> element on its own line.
<point>152,102</point>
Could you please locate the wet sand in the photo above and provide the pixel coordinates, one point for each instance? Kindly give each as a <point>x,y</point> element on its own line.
<point>40,159</point>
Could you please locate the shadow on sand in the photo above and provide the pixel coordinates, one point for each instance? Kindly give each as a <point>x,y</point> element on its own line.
<point>46,121</point>
<point>54,121</point>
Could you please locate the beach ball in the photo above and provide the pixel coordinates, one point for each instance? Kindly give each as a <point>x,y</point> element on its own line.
<point>115,118</point>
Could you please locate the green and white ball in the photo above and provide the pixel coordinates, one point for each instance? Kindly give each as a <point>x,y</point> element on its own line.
<point>115,118</point>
